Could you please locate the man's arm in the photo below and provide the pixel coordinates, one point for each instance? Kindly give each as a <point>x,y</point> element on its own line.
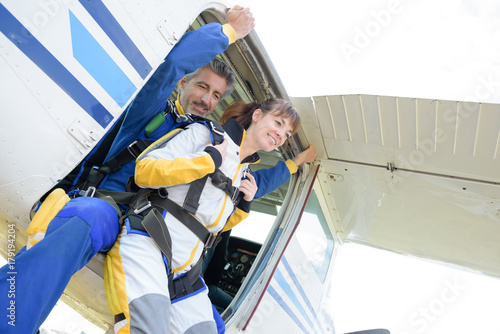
<point>195,49</point>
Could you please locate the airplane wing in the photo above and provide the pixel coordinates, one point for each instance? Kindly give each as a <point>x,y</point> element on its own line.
<point>414,176</point>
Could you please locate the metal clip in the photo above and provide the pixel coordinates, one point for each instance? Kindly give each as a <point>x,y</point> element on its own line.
<point>147,206</point>
<point>90,192</point>
<point>210,240</point>
<point>216,130</point>
<point>130,149</point>
<point>235,195</point>
<point>162,192</point>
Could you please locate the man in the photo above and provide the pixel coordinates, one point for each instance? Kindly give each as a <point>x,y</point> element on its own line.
<point>74,231</point>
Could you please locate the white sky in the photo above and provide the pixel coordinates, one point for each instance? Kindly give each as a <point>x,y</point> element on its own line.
<point>427,49</point>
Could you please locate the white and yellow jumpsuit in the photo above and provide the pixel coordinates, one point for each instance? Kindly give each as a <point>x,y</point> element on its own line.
<point>135,272</point>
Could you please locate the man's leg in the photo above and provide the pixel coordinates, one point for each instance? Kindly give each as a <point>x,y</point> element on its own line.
<point>82,228</point>
<point>136,283</point>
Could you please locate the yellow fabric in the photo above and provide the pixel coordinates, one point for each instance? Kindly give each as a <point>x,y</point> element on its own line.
<point>56,200</point>
<point>156,173</point>
<point>162,172</point>
<point>235,219</point>
<point>189,261</point>
<point>292,166</point>
<point>114,284</point>
<point>220,214</point>
<point>229,32</point>
<point>178,106</point>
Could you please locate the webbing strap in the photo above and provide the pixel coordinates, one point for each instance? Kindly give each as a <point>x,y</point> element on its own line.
<point>155,226</point>
<point>192,200</point>
<point>190,221</point>
<point>188,283</point>
<point>224,183</point>
<point>96,175</point>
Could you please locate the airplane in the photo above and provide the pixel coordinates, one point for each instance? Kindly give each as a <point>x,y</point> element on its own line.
<point>409,175</point>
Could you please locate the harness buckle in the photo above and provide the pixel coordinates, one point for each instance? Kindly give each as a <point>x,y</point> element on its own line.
<point>139,210</point>
<point>132,151</point>
<point>90,192</point>
<point>216,130</point>
<point>210,240</point>
<point>162,192</point>
<point>235,194</point>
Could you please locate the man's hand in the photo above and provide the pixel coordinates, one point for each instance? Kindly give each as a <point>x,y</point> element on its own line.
<point>308,155</point>
<point>248,187</point>
<point>241,20</point>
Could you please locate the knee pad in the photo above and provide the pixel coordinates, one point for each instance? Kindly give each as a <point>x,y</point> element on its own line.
<point>54,203</point>
<point>101,216</point>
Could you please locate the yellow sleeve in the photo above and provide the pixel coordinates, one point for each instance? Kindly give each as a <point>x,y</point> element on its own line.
<point>179,157</point>
<point>229,32</point>
<point>154,173</point>
<point>238,216</point>
<point>292,166</point>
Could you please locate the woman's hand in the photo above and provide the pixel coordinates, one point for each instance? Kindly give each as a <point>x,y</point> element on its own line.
<point>222,148</point>
<point>248,187</point>
<point>308,155</point>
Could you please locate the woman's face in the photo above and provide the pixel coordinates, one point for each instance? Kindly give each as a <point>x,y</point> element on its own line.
<point>271,130</point>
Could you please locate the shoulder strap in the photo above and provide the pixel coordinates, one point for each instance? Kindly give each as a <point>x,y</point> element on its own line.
<point>96,175</point>
<point>216,130</point>
<point>131,152</point>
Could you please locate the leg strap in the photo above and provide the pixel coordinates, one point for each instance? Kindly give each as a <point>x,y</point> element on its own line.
<point>154,225</point>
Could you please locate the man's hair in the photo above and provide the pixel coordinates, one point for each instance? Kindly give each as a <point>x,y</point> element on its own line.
<point>220,68</point>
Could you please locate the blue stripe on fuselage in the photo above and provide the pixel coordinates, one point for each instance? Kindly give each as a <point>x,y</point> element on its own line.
<point>99,64</point>
<point>286,308</point>
<point>118,36</point>
<point>280,279</point>
<point>39,55</point>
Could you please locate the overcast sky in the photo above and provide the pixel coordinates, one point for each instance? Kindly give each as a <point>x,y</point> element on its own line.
<point>443,49</point>
<point>424,49</point>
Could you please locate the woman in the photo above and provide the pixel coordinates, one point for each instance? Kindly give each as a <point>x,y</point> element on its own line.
<point>136,277</point>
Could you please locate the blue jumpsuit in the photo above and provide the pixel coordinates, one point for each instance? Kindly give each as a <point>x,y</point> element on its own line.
<point>86,225</point>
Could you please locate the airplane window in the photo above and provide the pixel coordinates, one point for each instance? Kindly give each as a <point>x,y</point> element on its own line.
<point>255,228</point>
<point>315,237</point>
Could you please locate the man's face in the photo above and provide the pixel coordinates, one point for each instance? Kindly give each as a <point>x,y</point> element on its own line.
<point>201,94</point>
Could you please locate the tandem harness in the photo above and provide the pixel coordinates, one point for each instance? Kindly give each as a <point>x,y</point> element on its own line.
<point>97,174</point>
<point>146,207</point>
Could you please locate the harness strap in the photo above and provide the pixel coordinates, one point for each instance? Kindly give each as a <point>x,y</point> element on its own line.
<point>224,183</point>
<point>192,200</point>
<point>153,224</point>
<point>190,221</point>
<point>96,175</point>
<point>188,283</point>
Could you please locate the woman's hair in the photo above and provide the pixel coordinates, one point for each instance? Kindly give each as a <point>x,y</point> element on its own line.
<point>242,112</point>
